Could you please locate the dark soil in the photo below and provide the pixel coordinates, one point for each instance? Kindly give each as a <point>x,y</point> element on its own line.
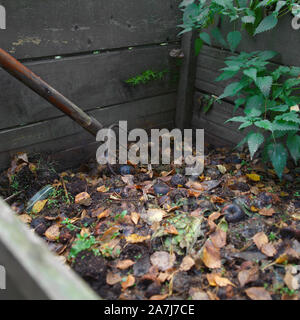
<point>245,245</point>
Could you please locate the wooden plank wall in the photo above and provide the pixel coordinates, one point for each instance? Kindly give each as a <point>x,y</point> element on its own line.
<point>283,39</point>
<point>86,49</point>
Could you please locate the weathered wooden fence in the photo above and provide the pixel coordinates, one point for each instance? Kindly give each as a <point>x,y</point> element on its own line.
<point>86,49</point>
<point>283,39</point>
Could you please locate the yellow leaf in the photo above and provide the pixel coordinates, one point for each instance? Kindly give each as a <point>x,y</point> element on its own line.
<point>253,177</point>
<point>135,217</point>
<point>39,206</point>
<point>102,189</point>
<point>221,168</point>
<point>52,233</point>
<point>135,238</point>
<point>211,255</point>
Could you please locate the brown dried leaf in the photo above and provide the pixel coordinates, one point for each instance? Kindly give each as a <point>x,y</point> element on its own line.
<point>83,198</point>
<point>211,255</point>
<point>170,229</point>
<point>52,233</point>
<point>258,293</point>
<point>266,212</point>
<point>163,260</point>
<point>247,276</point>
<point>269,250</point>
<point>260,239</point>
<point>102,189</point>
<point>113,278</point>
<point>25,218</point>
<point>187,263</point>
<point>124,264</point>
<point>135,217</point>
<point>129,282</point>
<point>218,238</point>
<point>292,281</point>
<point>159,297</point>
<point>198,294</point>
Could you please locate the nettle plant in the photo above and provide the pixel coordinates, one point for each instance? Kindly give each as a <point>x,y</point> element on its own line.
<point>271,105</point>
<point>268,97</point>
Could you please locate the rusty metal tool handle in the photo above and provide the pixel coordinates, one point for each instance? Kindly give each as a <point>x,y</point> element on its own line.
<point>31,80</point>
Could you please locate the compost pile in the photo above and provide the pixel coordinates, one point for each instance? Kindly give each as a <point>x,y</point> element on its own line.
<point>149,232</point>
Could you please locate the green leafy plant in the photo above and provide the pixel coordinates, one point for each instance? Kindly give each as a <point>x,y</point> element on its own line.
<point>255,16</point>
<point>270,101</point>
<point>146,77</point>
<point>82,243</point>
<point>70,225</point>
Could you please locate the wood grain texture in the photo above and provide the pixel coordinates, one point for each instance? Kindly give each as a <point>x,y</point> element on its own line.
<point>33,270</point>
<point>58,27</point>
<point>62,133</point>
<point>89,81</point>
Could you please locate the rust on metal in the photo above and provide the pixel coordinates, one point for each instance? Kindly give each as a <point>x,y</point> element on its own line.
<point>34,82</point>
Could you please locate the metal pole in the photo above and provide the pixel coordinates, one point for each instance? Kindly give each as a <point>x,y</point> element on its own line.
<point>31,80</point>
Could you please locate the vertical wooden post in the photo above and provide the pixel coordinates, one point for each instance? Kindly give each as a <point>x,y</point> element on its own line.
<point>185,95</point>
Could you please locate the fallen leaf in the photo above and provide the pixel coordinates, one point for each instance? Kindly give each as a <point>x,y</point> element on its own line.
<point>269,250</point>
<point>85,231</point>
<point>124,264</point>
<point>104,214</point>
<point>135,217</point>
<point>25,218</point>
<point>187,263</point>
<point>83,198</point>
<point>159,297</point>
<point>266,212</point>
<point>253,177</point>
<point>218,238</point>
<point>52,233</point>
<point>128,179</point>
<point>39,206</point>
<point>170,229</point>
<point>163,260</point>
<point>102,189</point>
<point>109,233</point>
<point>258,293</point>
<point>154,215</point>
<point>292,281</point>
<point>221,168</point>
<point>197,294</point>
<point>211,255</point>
<point>113,278</point>
<point>260,239</point>
<point>214,279</point>
<point>129,282</point>
<point>249,275</point>
<point>135,238</point>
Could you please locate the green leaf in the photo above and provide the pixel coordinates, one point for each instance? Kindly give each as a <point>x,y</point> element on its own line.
<point>283,125</point>
<point>216,33</point>
<point>255,140</point>
<point>237,119</point>
<point>251,73</point>
<point>264,124</point>
<point>293,143</point>
<point>198,46</point>
<point>227,75</point>
<point>232,89</point>
<point>268,23</point>
<point>264,84</point>
<point>280,108</point>
<point>234,38</point>
<point>254,106</point>
<point>248,19</point>
<point>278,155</point>
<point>205,37</point>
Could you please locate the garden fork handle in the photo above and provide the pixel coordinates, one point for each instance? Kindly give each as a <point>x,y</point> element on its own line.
<point>35,83</point>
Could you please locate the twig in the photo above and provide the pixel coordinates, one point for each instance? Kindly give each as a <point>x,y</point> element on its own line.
<point>66,191</point>
<point>12,196</point>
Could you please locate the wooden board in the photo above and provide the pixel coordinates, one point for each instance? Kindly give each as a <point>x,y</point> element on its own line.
<point>34,272</point>
<point>89,81</point>
<point>59,27</point>
<point>62,133</point>
<point>215,130</point>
